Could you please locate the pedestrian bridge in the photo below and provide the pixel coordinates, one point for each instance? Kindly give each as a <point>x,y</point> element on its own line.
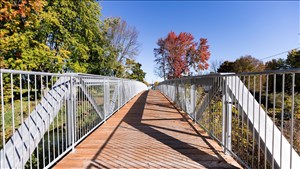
<point>247,120</point>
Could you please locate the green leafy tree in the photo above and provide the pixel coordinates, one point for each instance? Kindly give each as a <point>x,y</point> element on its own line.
<point>293,59</point>
<point>134,70</point>
<point>19,48</point>
<point>276,64</point>
<point>226,66</point>
<point>79,31</point>
<point>146,83</point>
<point>52,36</point>
<point>20,23</point>
<point>243,64</point>
<point>248,64</point>
<point>156,84</point>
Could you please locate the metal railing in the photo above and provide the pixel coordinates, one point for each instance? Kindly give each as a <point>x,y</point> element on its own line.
<point>254,116</point>
<point>45,115</point>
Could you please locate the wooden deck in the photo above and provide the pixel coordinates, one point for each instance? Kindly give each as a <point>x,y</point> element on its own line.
<point>148,132</point>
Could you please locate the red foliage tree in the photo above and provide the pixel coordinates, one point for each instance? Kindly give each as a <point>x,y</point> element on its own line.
<point>181,53</point>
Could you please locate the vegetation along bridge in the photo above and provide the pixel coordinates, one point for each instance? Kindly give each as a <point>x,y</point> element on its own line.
<point>248,120</point>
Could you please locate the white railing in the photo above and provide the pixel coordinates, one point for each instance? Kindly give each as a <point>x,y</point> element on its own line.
<point>254,116</point>
<point>45,115</point>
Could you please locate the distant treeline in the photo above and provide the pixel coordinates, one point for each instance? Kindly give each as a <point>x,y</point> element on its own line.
<point>251,64</point>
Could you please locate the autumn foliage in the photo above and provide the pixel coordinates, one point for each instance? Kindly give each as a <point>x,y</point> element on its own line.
<point>11,10</point>
<point>178,54</point>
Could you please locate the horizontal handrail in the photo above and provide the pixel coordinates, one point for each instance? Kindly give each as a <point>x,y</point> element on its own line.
<point>212,75</point>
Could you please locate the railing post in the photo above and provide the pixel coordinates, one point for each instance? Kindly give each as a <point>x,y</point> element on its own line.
<point>75,101</point>
<point>130,90</point>
<point>106,98</point>
<point>122,92</point>
<point>229,121</point>
<point>71,116</point>
<point>226,114</point>
<point>119,94</point>
<point>176,92</point>
<point>193,102</point>
<point>182,92</point>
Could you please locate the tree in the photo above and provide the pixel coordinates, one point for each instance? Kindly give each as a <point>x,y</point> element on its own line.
<point>134,71</point>
<point>20,23</point>
<point>60,35</point>
<point>179,54</point>
<point>243,64</point>
<point>123,38</point>
<point>80,31</point>
<point>293,59</point>
<point>226,66</point>
<point>156,83</point>
<point>146,83</point>
<point>161,59</point>
<point>215,65</point>
<point>248,64</point>
<point>63,35</point>
<point>276,64</point>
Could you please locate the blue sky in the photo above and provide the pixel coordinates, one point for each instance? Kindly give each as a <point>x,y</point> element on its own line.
<point>233,29</point>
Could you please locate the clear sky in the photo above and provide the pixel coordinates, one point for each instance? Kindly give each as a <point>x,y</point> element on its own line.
<point>233,28</point>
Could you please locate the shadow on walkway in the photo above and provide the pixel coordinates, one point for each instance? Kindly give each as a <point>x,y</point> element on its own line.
<point>160,145</point>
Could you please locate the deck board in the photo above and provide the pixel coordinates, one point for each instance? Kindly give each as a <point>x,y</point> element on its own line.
<point>148,132</point>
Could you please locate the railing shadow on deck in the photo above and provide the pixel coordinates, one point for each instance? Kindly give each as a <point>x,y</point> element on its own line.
<point>163,138</point>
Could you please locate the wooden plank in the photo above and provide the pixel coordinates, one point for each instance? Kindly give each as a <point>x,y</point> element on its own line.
<point>148,132</point>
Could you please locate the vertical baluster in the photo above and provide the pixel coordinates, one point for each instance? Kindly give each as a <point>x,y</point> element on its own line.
<point>233,78</point>
<point>72,114</point>
<point>48,133</point>
<point>267,93</point>
<point>53,123</point>
<point>28,104</point>
<point>43,138</point>
<point>3,124</point>
<point>21,109</point>
<point>253,134</point>
<point>238,117</point>
<point>13,116</point>
<point>274,112</point>
<point>242,113</point>
<point>282,113</point>
<point>193,101</point>
<point>259,112</point>
<point>292,120</point>
<point>57,125</point>
<point>248,105</point>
